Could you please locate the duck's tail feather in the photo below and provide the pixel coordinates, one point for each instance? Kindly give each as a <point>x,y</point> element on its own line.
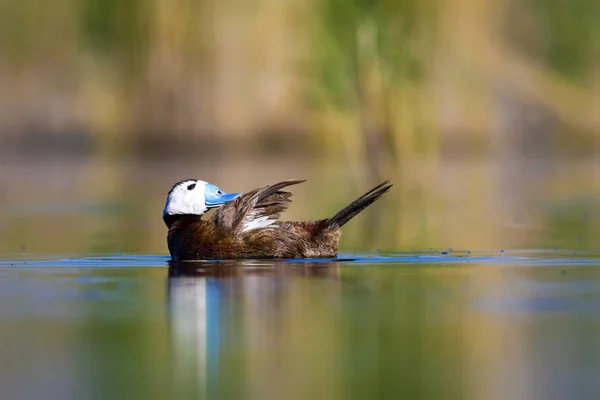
<point>350,211</point>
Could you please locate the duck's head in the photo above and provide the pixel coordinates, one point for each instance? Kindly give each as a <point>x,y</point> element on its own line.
<point>195,197</point>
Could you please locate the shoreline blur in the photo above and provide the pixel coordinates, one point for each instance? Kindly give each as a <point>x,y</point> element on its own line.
<point>106,206</point>
<point>373,82</point>
<point>483,115</point>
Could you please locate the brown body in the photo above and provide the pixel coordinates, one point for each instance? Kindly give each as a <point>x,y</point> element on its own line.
<point>223,235</point>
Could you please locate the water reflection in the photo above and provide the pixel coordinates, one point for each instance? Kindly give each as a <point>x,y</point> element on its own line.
<point>247,268</point>
<point>351,329</point>
<point>220,310</point>
<point>266,329</point>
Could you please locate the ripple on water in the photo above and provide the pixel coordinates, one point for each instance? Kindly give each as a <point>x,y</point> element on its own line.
<point>506,258</point>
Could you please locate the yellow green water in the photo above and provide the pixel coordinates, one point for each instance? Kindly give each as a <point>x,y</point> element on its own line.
<point>432,297</point>
<point>484,114</point>
<point>516,325</point>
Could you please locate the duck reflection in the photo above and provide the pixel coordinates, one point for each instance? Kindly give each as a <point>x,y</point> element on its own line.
<point>245,268</point>
<point>218,308</point>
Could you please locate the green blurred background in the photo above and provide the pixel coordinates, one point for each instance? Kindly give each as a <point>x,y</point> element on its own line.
<point>483,113</point>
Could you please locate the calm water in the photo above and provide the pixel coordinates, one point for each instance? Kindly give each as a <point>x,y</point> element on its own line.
<point>429,324</point>
<point>452,325</point>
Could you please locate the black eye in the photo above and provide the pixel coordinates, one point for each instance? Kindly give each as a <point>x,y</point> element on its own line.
<point>219,192</point>
<point>192,186</point>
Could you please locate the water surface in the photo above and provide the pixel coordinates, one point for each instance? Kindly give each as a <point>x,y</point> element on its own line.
<point>80,320</point>
<point>435,324</point>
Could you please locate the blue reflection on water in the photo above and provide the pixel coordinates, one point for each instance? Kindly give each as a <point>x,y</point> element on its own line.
<point>507,258</point>
<point>224,314</point>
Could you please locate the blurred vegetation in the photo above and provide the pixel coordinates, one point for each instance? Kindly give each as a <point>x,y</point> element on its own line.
<point>564,35</point>
<point>484,114</point>
<point>379,80</point>
<point>372,61</point>
<point>471,108</point>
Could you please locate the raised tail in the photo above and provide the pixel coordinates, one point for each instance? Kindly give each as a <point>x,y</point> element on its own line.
<point>348,212</point>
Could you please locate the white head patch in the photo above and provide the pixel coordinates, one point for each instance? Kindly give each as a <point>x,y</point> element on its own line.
<point>186,197</point>
<point>195,197</point>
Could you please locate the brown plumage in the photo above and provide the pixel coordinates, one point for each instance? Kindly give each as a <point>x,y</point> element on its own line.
<point>228,234</point>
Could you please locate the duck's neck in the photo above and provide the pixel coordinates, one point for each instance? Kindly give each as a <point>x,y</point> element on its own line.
<point>171,219</point>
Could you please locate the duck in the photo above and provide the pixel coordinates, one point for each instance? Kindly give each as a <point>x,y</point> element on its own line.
<point>247,226</point>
